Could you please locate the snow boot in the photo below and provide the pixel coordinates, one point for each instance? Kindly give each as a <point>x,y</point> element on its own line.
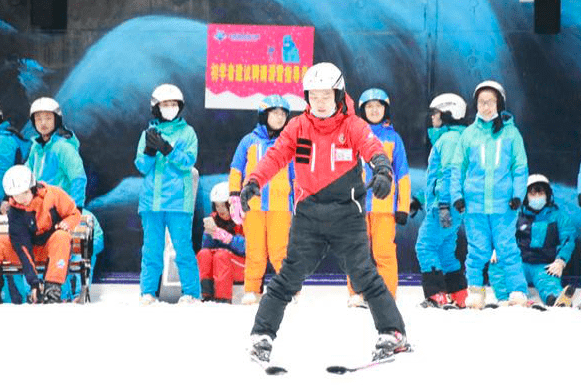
<point>458,298</point>
<point>565,298</point>
<point>52,293</point>
<point>261,347</point>
<point>476,297</point>
<point>438,300</point>
<point>517,298</point>
<point>389,344</point>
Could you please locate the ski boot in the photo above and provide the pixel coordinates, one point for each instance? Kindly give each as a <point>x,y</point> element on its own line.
<point>261,348</point>
<point>438,300</point>
<point>389,344</point>
<point>52,293</point>
<point>458,298</point>
<point>564,299</point>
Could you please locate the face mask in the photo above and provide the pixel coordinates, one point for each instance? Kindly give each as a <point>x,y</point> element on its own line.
<point>487,120</point>
<point>537,203</point>
<point>169,113</point>
<point>325,116</point>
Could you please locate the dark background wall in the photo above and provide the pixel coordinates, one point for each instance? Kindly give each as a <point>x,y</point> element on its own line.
<point>103,62</point>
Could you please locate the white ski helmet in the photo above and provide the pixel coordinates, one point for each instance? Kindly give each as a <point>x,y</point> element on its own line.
<point>495,86</point>
<point>45,104</point>
<point>166,92</point>
<point>17,180</point>
<point>324,76</point>
<point>220,192</point>
<point>450,103</point>
<point>537,178</point>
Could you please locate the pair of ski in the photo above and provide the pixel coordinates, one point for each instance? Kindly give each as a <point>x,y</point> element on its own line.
<point>335,369</point>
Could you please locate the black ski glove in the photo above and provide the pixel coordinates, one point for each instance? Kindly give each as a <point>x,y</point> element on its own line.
<point>250,190</point>
<point>150,141</point>
<point>380,183</point>
<point>460,205</point>
<point>445,215</point>
<point>401,218</point>
<point>163,145</point>
<point>514,203</point>
<point>415,206</point>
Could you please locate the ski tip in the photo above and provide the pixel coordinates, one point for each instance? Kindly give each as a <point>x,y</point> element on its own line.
<point>275,370</point>
<point>337,369</point>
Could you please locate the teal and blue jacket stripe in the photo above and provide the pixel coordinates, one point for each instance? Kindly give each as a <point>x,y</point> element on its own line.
<point>489,168</point>
<point>168,183</point>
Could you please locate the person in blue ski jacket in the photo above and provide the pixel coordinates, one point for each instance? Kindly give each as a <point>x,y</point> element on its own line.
<point>166,154</point>
<point>54,156</point>
<point>546,238</point>
<point>14,149</point>
<point>443,278</point>
<point>488,181</point>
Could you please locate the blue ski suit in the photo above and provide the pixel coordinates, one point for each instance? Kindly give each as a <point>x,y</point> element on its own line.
<point>166,200</point>
<point>436,246</point>
<point>542,237</point>
<point>488,170</point>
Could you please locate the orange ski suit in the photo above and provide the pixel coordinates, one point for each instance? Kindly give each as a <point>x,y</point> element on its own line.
<point>32,236</point>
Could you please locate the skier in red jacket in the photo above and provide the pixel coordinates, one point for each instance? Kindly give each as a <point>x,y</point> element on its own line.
<point>326,143</point>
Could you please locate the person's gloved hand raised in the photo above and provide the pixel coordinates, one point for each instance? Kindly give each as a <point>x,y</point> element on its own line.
<point>162,145</point>
<point>150,142</point>
<point>249,190</point>
<point>380,182</point>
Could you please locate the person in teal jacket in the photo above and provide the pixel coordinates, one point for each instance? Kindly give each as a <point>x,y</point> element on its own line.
<point>443,278</point>
<point>166,154</point>
<point>14,149</point>
<point>489,177</point>
<point>54,156</point>
<point>546,238</point>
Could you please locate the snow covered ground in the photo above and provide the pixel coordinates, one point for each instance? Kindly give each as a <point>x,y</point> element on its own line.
<point>115,341</point>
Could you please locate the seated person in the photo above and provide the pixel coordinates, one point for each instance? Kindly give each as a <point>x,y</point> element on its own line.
<point>40,220</point>
<point>546,239</point>
<point>221,259</point>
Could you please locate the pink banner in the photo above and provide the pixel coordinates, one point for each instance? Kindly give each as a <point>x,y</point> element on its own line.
<point>247,62</point>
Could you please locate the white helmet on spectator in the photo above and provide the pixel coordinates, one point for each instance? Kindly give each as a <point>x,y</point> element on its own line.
<point>451,103</point>
<point>220,192</point>
<point>165,92</point>
<point>497,87</point>
<point>45,104</point>
<point>17,180</point>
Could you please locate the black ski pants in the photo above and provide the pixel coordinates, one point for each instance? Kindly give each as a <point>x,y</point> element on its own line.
<point>317,229</point>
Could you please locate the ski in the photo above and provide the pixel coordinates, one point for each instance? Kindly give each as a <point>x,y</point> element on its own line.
<point>371,364</point>
<point>336,369</point>
<point>271,370</point>
<point>530,304</point>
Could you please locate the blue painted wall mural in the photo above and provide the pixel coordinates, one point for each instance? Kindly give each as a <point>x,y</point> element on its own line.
<point>414,49</point>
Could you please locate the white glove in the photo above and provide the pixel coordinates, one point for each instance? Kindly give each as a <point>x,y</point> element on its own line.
<point>494,258</point>
<point>556,268</point>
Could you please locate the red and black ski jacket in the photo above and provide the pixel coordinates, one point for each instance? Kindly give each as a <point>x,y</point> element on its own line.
<point>327,155</point>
